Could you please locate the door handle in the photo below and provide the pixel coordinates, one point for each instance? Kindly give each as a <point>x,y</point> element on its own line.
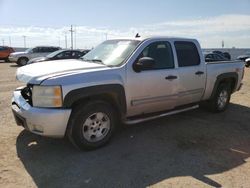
<point>171,77</point>
<point>199,73</point>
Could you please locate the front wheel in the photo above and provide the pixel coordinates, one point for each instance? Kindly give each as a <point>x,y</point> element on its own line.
<point>220,101</point>
<point>92,125</point>
<point>22,61</point>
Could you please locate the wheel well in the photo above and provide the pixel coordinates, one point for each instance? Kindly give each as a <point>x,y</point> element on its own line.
<point>23,58</point>
<point>110,98</point>
<point>231,81</point>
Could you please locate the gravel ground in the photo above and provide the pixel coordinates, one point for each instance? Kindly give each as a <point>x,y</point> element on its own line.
<point>192,149</point>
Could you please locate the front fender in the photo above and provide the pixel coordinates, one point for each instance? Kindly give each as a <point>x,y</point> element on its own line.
<point>115,90</point>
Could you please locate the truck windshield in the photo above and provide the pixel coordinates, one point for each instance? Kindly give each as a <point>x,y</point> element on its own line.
<point>111,52</point>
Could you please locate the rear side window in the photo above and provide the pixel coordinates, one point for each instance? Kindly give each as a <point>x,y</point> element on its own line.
<point>187,54</point>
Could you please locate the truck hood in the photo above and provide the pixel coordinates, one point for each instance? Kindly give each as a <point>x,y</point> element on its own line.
<point>37,72</point>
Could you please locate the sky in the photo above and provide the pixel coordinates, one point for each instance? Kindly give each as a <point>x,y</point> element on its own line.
<point>47,22</point>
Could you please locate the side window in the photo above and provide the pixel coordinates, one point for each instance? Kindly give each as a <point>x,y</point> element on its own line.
<point>162,53</point>
<point>35,50</point>
<point>53,49</point>
<point>76,54</point>
<point>187,54</point>
<point>209,56</point>
<point>3,48</point>
<point>64,55</point>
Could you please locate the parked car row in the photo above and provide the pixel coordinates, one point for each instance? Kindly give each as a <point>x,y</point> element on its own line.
<point>44,53</point>
<point>48,53</point>
<point>214,57</point>
<point>60,54</point>
<point>22,58</point>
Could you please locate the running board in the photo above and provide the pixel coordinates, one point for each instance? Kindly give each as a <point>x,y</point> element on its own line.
<point>140,120</point>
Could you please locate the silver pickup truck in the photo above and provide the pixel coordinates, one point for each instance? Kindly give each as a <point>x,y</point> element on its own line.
<point>122,80</point>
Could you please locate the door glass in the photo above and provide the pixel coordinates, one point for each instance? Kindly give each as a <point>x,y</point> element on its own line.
<point>162,53</point>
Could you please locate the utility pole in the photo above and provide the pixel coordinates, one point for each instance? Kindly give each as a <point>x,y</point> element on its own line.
<point>59,41</point>
<point>75,37</point>
<point>24,41</point>
<point>3,41</point>
<point>10,41</point>
<point>66,40</point>
<point>222,44</point>
<point>71,34</point>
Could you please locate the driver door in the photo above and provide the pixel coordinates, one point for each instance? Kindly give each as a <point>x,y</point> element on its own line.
<point>154,89</point>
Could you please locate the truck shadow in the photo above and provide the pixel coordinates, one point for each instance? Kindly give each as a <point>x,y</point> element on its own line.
<point>195,143</point>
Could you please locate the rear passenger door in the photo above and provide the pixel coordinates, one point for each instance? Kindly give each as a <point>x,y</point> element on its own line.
<point>192,72</point>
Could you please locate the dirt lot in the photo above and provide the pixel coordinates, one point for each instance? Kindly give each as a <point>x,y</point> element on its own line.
<point>192,149</point>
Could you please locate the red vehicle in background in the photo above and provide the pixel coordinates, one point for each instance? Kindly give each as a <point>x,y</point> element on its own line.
<point>5,52</point>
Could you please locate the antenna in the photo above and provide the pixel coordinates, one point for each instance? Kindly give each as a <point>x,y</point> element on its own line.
<point>137,35</point>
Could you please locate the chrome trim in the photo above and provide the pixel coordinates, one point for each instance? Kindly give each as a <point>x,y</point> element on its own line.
<point>167,97</point>
<point>152,100</point>
<point>190,92</point>
<point>129,122</point>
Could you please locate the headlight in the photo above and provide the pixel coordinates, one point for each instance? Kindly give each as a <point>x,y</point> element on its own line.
<point>47,96</point>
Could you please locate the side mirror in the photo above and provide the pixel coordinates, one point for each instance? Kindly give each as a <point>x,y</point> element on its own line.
<point>144,63</point>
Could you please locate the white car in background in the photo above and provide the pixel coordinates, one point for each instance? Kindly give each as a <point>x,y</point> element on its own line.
<point>21,58</point>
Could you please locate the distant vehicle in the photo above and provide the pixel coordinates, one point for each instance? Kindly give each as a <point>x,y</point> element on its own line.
<point>5,51</point>
<point>22,58</point>
<point>244,57</point>
<point>247,62</point>
<point>84,52</point>
<point>59,54</point>
<point>212,57</point>
<point>224,54</point>
<point>227,55</point>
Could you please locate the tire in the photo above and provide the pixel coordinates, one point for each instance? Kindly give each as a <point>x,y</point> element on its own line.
<point>86,130</point>
<point>22,61</point>
<point>7,60</point>
<point>220,101</point>
<point>247,64</point>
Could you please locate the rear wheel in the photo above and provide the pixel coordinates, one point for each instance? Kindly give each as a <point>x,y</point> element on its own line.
<point>22,61</point>
<point>92,125</point>
<point>220,101</point>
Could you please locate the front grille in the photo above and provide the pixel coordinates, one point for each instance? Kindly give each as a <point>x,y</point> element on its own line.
<point>27,94</point>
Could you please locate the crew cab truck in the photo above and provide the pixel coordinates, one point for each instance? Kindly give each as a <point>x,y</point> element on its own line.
<point>122,80</point>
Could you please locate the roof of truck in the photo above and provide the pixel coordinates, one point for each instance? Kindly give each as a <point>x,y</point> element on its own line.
<point>153,37</point>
